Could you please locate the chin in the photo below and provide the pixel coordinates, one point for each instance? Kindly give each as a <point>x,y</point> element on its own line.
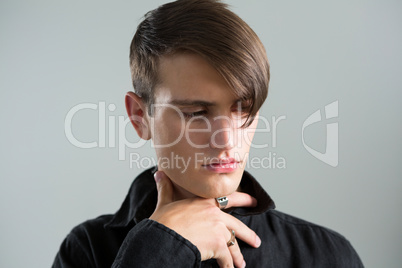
<point>207,185</point>
<point>215,191</point>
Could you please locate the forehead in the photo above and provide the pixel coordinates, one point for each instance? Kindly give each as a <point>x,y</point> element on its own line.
<point>189,76</point>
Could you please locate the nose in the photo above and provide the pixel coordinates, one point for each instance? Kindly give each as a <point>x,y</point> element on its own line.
<point>223,134</point>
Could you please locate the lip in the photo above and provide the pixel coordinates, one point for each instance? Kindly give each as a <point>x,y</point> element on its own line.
<point>226,165</point>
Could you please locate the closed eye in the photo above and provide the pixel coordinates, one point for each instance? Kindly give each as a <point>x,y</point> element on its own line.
<point>195,114</point>
<point>242,107</point>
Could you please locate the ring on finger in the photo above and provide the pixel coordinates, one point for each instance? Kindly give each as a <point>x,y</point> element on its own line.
<point>232,240</point>
<point>222,202</point>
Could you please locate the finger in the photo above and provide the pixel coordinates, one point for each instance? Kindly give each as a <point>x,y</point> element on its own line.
<point>242,231</point>
<point>238,259</point>
<point>224,258</point>
<point>238,199</point>
<point>164,187</point>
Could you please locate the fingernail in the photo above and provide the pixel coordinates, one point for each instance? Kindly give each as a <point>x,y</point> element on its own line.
<point>157,177</point>
<point>244,264</point>
<point>257,241</point>
<point>255,203</point>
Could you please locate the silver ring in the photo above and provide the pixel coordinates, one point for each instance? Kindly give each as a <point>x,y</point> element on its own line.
<point>222,202</point>
<point>232,240</point>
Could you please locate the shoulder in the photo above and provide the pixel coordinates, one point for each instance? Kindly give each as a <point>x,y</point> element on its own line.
<point>308,239</point>
<point>291,226</point>
<point>82,236</point>
<point>292,222</point>
<point>91,226</point>
<point>87,243</point>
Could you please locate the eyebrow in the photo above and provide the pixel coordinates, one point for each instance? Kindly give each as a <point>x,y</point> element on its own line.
<point>189,102</point>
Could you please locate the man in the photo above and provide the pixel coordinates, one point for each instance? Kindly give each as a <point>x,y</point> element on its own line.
<point>200,76</point>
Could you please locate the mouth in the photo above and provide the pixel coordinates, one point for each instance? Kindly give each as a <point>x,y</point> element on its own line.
<point>226,165</point>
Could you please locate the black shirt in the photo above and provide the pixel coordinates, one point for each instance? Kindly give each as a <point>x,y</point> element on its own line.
<point>129,239</point>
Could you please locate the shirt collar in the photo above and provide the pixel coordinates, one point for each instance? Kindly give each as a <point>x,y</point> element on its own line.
<point>141,200</point>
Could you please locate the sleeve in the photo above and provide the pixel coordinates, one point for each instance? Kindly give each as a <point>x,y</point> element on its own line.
<point>151,244</point>
<point>148,244</point>
<point>349,257</point>
<point>336,251</point>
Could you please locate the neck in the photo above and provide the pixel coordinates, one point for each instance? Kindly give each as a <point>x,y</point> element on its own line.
<point>179,193</point>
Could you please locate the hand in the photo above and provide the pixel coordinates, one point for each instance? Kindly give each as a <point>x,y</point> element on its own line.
<point>200,221</point>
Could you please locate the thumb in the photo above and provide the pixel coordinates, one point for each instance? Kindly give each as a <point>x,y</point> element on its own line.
<point>164,187</point>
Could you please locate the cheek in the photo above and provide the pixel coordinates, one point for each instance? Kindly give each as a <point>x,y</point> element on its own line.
<point>167,133</point>
<point>196,139</point>
<point>247,135</point>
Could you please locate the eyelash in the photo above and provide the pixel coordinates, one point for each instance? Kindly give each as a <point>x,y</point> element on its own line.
<point>201,113</point>
<point>194,114</point>
<point>244,109</point>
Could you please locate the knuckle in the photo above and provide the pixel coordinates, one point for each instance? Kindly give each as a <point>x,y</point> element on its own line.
<point>221,244</point>
<point>213,210</point>
<point>221,227</point>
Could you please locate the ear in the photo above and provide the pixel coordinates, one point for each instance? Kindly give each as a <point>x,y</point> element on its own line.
<point>136,110</point>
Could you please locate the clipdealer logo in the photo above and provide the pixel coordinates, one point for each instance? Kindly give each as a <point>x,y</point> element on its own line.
<point>112,133</point>
<point>109,124</point>
<point>330,156</point>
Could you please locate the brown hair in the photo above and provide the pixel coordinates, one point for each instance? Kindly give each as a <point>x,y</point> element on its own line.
<point>210,29</point>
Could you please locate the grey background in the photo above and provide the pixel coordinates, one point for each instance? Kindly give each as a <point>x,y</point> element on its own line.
<point>57,54</point>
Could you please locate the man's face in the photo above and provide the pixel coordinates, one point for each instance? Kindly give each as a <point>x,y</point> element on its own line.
<point>196,128</point>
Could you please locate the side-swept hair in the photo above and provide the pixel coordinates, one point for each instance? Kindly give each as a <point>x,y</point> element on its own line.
<point>209,29</point>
